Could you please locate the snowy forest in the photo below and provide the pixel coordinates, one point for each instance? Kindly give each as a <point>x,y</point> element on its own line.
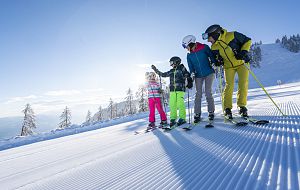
<point>292,43</point>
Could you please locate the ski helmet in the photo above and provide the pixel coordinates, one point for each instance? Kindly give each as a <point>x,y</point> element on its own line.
<point>213,31</point>
<point>150,76</point>
<point>187,40</point>
<point>175,61</point>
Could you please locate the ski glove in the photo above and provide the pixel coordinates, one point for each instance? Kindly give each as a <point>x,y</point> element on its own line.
<point>154,68</point>
<point>219,61</point>
<point>243,55</point>
<point>189,82</point>
<point>193,76</point>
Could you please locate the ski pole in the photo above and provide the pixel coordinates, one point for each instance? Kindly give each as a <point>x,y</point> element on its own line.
<point>189,106</point>
<point>220,87</point>
<point>162,94</point>
<point>263,89</point>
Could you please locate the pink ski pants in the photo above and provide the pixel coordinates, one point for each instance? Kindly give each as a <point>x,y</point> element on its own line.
<point>155,102</point>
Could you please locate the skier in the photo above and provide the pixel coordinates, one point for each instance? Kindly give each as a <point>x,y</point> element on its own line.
<point>231,50</point>
<point>154,100</point>
<point>179,80</point>
<point>199,61</point>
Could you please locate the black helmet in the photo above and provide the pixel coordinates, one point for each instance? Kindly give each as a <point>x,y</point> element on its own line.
<point>213,30</point>
<point>175,61</point>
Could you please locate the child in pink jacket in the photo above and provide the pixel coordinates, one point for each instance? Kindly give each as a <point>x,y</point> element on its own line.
<point>154,100</point>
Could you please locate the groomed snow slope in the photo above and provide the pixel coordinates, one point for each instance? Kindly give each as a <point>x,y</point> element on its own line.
<point>224,157</point>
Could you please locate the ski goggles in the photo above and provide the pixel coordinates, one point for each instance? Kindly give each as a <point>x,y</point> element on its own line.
<point>184,46</point>
<point>172,63</point>
<point>205,36</point>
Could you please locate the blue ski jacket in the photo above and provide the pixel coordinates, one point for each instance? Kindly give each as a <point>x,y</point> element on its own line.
<point>199,60</point>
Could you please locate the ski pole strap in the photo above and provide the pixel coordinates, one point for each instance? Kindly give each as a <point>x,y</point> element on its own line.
<point>251,72</point>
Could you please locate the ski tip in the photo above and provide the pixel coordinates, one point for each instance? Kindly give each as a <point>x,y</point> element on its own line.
<point>187,128</point>
<point>262,122</point>
<point>209,126</point>
<point>240,124</point>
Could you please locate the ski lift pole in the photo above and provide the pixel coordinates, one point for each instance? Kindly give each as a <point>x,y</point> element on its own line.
<point>260,84</point>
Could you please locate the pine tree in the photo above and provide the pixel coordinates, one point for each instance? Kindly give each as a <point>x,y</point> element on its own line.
<point>88,117</point>
<point>292,44</point>
<point>28,122</point>
<point>65,118</point>
<point>141,95</point>
<point>100,114</point>
<point>277,41</point>
<point>116,110</point>
<point>111,108</point>
<point>255,54</point>
<point>284,41</point>
<point>129,102</point>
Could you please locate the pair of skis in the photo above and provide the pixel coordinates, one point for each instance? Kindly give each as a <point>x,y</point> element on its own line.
<point>146,130</point>
<point>247,120</point>
<point>151,129</point>
<point>209,124</point>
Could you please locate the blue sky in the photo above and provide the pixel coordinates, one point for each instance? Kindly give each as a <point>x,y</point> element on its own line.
<point>57,53</point>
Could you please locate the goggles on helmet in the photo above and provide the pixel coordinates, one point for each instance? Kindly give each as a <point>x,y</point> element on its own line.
<point>205,36</point>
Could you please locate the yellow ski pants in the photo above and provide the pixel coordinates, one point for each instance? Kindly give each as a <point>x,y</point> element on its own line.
<point>243,75</point>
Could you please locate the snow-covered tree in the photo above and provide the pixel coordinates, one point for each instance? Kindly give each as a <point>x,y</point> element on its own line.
<point>88,119</point>
<point>110,109</point>
<point>129,102</point>
<point>100,114</point>
<point>255,54</point>
<point>292,44</point>
<point>141,95</point>
<point>28,122</point>
<point>277,41</point>
<point>65,118</point>
<point>221,79</point>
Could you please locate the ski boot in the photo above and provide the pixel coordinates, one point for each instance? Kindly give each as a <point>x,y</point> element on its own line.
<point>163,124</point>
<point>151,126</point>
<point>228,113</point>
<point>180,122</point>
<point>243,111</point>
<point>197,118</point>
<point>172,122</point>
<point>211,116</point>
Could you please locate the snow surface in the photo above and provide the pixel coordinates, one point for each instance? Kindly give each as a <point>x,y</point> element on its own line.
<point>277,64</point>
<point>223,157</point>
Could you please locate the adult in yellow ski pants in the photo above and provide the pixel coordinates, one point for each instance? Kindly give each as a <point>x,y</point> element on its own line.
<point>177,103</point>
<point>243,75</point>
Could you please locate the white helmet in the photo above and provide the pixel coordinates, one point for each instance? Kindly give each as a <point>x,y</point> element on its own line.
<point>150,76</point>
<point>187,40</point>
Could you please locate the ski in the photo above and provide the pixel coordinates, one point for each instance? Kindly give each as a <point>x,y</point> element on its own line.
<point>236,122</point>
<point>169,128</point>
<point>254,120</point>
<point>189,127</point>
<point>143,131</point>
<point>209,124</point>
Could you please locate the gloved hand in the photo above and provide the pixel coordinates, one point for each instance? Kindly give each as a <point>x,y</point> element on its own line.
<point>154,68</point>
<point>243,55</point>
<point>193,76</point>
<point>189,82</point>
<point>219,62</point>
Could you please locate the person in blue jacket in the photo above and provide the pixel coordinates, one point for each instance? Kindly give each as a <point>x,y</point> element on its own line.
<point>200,59</point>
